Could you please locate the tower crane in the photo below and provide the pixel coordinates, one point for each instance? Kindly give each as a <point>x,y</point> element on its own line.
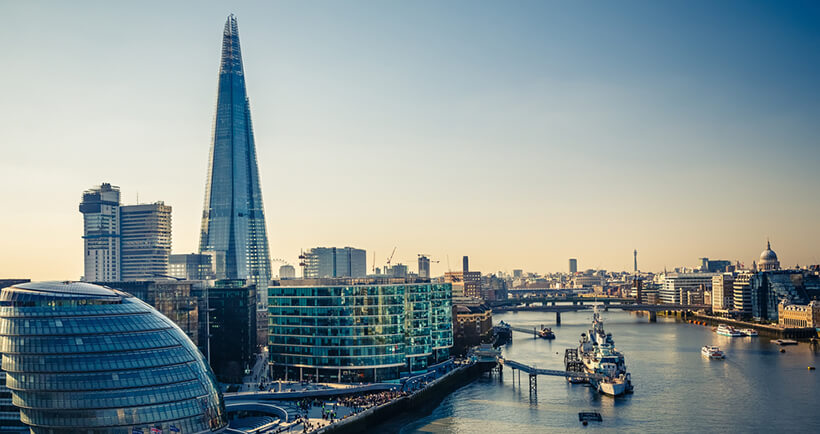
<point>391,257</point>
<point>428,258</point>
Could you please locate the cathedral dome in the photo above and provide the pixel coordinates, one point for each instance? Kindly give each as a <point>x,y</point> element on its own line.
<point>768,259</point>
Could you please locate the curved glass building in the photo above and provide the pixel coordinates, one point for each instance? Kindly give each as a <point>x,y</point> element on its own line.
<point>357,330</point>
<point>86,358</point>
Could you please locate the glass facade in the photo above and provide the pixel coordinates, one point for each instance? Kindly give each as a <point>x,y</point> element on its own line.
<point>769,288</point>
<point>233,218</point>
<point>357,332</point>
<point>86,358</point>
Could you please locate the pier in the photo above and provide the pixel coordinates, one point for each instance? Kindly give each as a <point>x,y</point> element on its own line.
<point>534,372</point>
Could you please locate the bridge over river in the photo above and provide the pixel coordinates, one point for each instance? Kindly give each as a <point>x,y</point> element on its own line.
<point>552,305</point>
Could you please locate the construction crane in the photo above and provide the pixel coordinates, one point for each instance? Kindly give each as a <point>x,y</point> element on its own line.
<point>428,258</point>
<point>374,261</point>
<point>391,257</point>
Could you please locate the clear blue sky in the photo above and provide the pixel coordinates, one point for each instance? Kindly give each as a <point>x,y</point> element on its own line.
<point>519,133</point>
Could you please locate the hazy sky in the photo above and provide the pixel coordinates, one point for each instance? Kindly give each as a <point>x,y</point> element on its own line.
<point>519,133</point>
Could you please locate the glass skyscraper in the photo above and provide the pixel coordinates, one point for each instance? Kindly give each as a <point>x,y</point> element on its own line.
<point>233,218</point>
<point>84,358</point>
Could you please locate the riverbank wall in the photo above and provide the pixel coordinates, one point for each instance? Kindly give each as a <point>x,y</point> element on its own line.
<point>769,331</point>
<point>426,399</point>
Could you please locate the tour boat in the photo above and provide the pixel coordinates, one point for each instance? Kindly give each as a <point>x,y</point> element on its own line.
<point>749,332</point>
<point>725,330</point>
<point>712,352</point>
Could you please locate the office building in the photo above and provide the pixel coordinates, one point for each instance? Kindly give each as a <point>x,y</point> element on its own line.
<point>10,422</point>
<point>100,207</point>
<point>742,294</point>
<point>465,264</point>
<point>769,288</point>
<point>192,266</point>
<point>714,266</point>
<point>232,325</point>
<point>233,218</point>
<point>181,301</point>
<point>83,358</point>
<point>573,266</point>
<point>800,316</point>
<point>472,324</point>
<point>145,240</point>
<point>424,267</point>
<point>324,262</point>
<point>723,292</point>
<point>397,270</point>
<point>357,330</point>
<point>675,284</point>
<point>635,259</point>
<point>287,272</point>
<point>465,284</point>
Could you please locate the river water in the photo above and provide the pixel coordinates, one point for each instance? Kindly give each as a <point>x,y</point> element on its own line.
<point>755,389</point>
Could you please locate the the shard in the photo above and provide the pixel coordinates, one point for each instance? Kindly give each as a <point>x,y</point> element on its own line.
<point>233,218</point>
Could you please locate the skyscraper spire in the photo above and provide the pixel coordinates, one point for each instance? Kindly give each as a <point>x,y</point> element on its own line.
<point>233,218</point>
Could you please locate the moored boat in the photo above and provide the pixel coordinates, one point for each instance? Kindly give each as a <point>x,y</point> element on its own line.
<point>749,332</point>
<point>598,354</point>
<point>712,352</point>
<point>546,333</point>
<point>725,330</point>
<point>615,386</point>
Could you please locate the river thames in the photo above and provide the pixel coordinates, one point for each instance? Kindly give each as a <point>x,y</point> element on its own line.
<point>756,389</point>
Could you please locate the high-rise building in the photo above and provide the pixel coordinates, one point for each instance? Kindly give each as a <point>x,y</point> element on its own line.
<point>335,262</point>
<point>192,266</point>
<point>287,272</point>
<point>397,270</point>
<point>573,266</point>
<point>424,267</point>
<point>465,284</point>
<point>145,240</point>
<point>742,294</point>
<point>83,358</point>
<point>465,264</point>
<point>233,218</point>
<point>635,259</point>
<point>101,233</point>
<point>723,292</point>
<point>232,324</point>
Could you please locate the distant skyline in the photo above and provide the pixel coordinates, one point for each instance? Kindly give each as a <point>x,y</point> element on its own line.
<point>520,134</point>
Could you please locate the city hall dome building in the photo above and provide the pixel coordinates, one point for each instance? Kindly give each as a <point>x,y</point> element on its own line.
<point>85,358</point>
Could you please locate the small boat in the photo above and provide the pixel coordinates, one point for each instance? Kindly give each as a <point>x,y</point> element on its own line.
<point>782,342</point>
<point>749,332</point>
<point>729,331</point>
<point>546,333</point>
<point>712,352</point>
<point>616,386</point>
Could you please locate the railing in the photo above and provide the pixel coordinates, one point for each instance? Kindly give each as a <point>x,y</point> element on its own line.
<point>535,371</point>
